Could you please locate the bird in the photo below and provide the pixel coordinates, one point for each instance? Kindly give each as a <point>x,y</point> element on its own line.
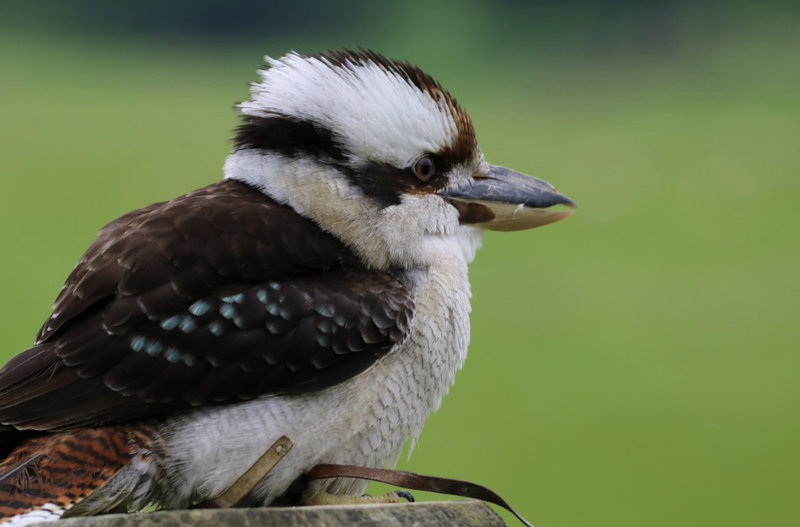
<point>318,291</point>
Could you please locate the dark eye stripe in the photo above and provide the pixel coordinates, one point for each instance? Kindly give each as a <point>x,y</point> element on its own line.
<point>287,136</point>
<point>291,137</point>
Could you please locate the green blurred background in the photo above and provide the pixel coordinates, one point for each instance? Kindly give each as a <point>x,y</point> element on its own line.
<point>635,365</point>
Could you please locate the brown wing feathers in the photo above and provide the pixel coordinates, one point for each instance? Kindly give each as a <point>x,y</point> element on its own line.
<point>217,296</point>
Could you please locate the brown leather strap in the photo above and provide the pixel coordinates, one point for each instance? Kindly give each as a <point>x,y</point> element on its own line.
<point>410,480</point>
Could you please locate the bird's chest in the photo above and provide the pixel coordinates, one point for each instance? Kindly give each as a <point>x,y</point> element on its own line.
<point>409,384</point>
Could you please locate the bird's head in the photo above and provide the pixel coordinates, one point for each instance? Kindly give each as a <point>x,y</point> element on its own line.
<point>377,153</point>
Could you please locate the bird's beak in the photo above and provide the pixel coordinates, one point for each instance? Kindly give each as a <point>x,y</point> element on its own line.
<point>505,200</point>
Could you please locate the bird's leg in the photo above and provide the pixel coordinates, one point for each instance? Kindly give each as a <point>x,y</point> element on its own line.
<point>311,497</point>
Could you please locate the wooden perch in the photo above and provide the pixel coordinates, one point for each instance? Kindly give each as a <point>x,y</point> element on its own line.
<point>457,513</point>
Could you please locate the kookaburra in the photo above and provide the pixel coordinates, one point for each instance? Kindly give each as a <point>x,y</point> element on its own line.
<point>319,292</point>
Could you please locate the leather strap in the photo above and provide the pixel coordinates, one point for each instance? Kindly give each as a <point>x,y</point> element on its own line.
<point>410,480</point>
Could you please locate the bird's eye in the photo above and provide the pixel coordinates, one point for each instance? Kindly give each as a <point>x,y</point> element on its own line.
<point>424,168</point>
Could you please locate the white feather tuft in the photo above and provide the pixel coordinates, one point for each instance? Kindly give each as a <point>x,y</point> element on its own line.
<point>375,113</point>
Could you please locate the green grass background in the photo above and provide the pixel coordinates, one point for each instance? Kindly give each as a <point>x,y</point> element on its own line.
<point>635,365</point>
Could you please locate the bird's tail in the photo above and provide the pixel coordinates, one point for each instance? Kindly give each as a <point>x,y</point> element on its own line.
<point>47,475</point>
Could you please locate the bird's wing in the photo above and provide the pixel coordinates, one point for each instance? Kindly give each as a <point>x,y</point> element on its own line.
<point>218,296</point>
